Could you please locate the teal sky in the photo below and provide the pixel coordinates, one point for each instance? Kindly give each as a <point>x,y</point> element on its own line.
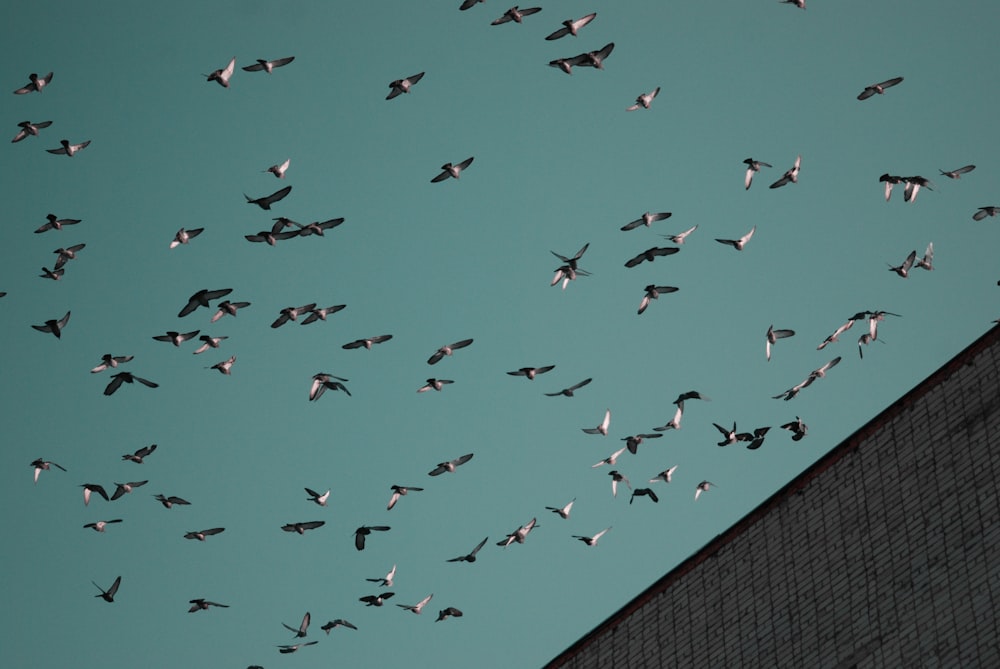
<point>558,164</point>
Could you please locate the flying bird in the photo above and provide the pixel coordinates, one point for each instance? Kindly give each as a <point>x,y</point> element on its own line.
<point>446,613</point>
<point>53,222</point>
<point>515,14</point>
<point>466,4</point>
<point>675,422</point>
<point>222,76</point>
<point>403,85</point>
<point>323,381</point>
<point>279,169</point>
<point>927,262</point>
<point>111,361</point>
<point>801,4</point>
<point>184,236</point>
<point>647,219</point>
<point>67,254</point>
<point>35,84</point>
<point>364,531</point>
<point>986,211</point>
<point>592,541</point>
<point>666,475</point>
<point>520,534</point>
<point>954,174</point>
<point>633,442</point>
<point>738,244</point>
<point>319,498</point>
<point>756,438</point>
<point>616,478</point>
<point>385,581</point>
<point>418,607</point>
<point>452,171</point>
<point>366,343</point>
<point>89,488</point>
<point>889,180</point>
<point>681,236</point>
<point>101,524</point>
<point>878,88</point>
<point>531,372</point>
<point>266,201</point>
<point>602,428</point>
<point>797,428</point>
<point>398,491</point>
<point>572,27</point>
<point>203,604</point>
<point>201,299</point>
<point>450,466</point>
<point>317,227</point>
<point>55,274</point>
<point>303,629</point>
<point>268,65</point>
<point>611,459</point>
<point>54,326</point>
<point>286,648</point>
<point>728,436</point>
<point>913,186</point>
<point>643,492</point>
<point>791,176</point>
<point>176,338</point>
<point>691,395</point>
<point>41,465</point>
<point>773,336</point>
<point>644,100</point>
<point>226,307</point>
<point>109,594</point>
<point>302,527</point>
<point>566,64</point>
<point>168,502</point>
<point>292,313</point>
<point>203,534</point>
<point>447,350</point>
<point>272,236</point>
<point>753,166</point>
<point>126,377</point>
<point>339,622</point>
<point>29,128</point>
<point>471,555</point>
<point>653,292</point>
<point>562,512</point>
<point>375,600</point>
<point>597,58</point>
<point>434,384</point>
<point>903,270</point>
<point>125,488</point>
<point>208,342</point>
<point>569,392</point>
<point>704,486</point>
<point>651,255</point>
<point>140,455</point>
<point>321,313</point>
<point>68,149</point>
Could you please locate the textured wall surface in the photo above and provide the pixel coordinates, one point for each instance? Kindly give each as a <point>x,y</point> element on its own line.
<point>886,553</point>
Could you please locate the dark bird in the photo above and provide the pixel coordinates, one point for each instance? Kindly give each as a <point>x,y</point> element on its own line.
<point>366,343</point>
<point>954,174</point>
<point>126,377</point>
<point>364,531</point>
<point>532,372</point>
<point>29,128</point>
<point>55,223</point>
<point>616,478</point>
<point>450,466</point>
<point>889,180</point>
<point>35,84</point>
<point>317,227</point>
<point>303,629</point>
<point>444,614</point>
<point>520,534</point>
<point>643,492</point>
<point>339,622</point>
<point>268,65</point>
<point>756,438</point>
<point>597,58</point>
<point>653,292</point>
<point>323,381</point>
<point>54,326</point>
<point>201,299</point>
<point>447,350</point>
<point>568,392</point>
<point>647,219</point>
<point>109,594</point>
<point>168,502</point>
<point>285,649</point>
<point>471,555</point>
<point>651,254</point>
<point>791,176</point>
<point>572,27</point>
<point>203,604</point>
<point>566,64</point>
<point>266,201</point>
<point>176,338</point>
<point>797,428</point>
<point>201,536</point>
<point>55,275</point>
<point>317,497</point>
<point>753,166</point>
<point>878,88</point>
<point>184,236</point>
<point>573,263</point>
<point>452,171</point>
<point>691,395</point>
<point>376,600</point>
<point>223,75</point>
<point>125,488</point>
<point>913,186</point>
<point>321,314</point>
<point>89,488</point>
<point>400,86</point>
<point>903,270</point>
<point>101,524</point>
<point>434,384</point>
<point>67,254</point>
<point>226,307</point>
<point>291,313</point>
<point>272,236</point>
<point>139,456</point>
<point>302,527</point>
<point>111,361</point>
<point>41,465</point>
<point>632,442</point>
<point>728,436</point>
<point>68,149</point>
<point>984,212</point>
<point>398,491</point>
<point>515,14</point>
<point>208,342</point>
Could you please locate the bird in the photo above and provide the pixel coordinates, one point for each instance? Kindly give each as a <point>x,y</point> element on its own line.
<point>403,85</point>
<point>738,244</point>
<point>55,275</point>
<point>398,491</point>
<point>821,372</point>
<point>101,524</point>
<point>139,456</point>
<point>317,227</point>
<point>753,166</point>
<point>318,498</point>
<point>728,436</point>
<point>201,299</point>
<point>597,58</point>
<point>35,84</point>
<point>367,343</point>
<point>573,262</point>
<point>41,465</point>
<point>303,629</point>
<point>184,236</point>
<point>466,4</point>
<point>203,604</point>
<point>222,76</point>
<point>208,342</point>
<point>453,171</point>
<point>302,527</point>
<point>520,534</point>
<point>986,211</point>
<point>292,313</point>
<point>268,65</point>
<point>592,541</point>
<point>565,273</point>
<point>321,313</point>
<point>566,64</point>
<point>226,307</point>
<point>632,442</point>
<point>643,492</point>
<point>791,175</point>
<point>603,427</point>
<point>89,488</point>
<point>681,236</point>
<point>385,581</point>
<point>125,488</point>
<point>434,384</point>
<point>927,262</point>
<point>878,88</point>
<point>704,486</point>
<point>291,648</point>
<point>67,254</point>
<point>569,392</point>
<point>675,422</point>
<point>611,459</point>
<point>53,222</point>
<point>272,236</point>
<point>889,180</point>
<point>773,336</point>
<point>531,372</point>
<point>797,428</point>
<point>756,438</point>
<point>515,14</point>
<point>419,606</point>
<point>666,475</point>
<point>951,174</point>
<point>691,395</point>
<point>68,149</point>
<point>376,600</point>
<point>801,4</point>
<point>126,377</point>
<point>647,219</point>
<point>54,326</point>
<point>651,255</point>
<point>339,622</point>
<point>279,169</point>
<point>571,27</point>
<point>176,338</point>
<point>616,478</point>
<point>562,511</point>
<point>903,270</point>
<point>168,502</point>
<point>913,186</point>
<point>447,350</point>
<point>322,381</point>
<point>652,292</point>
<point>203,534</point>
<point>471,555</point>
<point>836,334</point>
<point>448,612</point>
<point>644,100</point>
<point>29,128</point>
<point>450,466</point>
<point>109,594</point>
<point>364,531</point>
<point>111,361</point>
<point>266,201</point>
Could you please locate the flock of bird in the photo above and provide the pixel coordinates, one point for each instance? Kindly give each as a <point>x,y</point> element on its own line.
<point>217,302</point>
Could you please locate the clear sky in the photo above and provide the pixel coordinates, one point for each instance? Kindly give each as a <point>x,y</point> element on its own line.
<point>559,163</point>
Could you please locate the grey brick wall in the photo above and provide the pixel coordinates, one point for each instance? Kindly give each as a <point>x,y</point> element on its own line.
<point>885,553</point>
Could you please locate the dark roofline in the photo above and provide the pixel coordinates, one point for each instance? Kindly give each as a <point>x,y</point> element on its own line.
<point>990,338</point>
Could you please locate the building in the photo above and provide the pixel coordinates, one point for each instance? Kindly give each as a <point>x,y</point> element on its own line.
<point>884,553</point>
